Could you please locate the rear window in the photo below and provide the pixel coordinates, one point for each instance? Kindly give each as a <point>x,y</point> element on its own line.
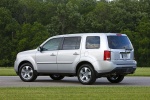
<point>119,42</point>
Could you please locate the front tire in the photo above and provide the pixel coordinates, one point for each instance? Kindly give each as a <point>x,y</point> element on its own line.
<point>115,78</point>
<point>86,74</point>
<point>27,72</point>
<point>56,77</point>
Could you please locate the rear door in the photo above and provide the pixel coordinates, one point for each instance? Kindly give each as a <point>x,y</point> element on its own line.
<point>69,54</point>
<point>121,48</point>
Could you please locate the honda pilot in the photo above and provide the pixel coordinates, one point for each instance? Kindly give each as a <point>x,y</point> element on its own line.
<point>86,55</point>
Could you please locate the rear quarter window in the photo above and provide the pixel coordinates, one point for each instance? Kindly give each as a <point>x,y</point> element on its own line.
<point>92,42</point>
<point>119,42</point>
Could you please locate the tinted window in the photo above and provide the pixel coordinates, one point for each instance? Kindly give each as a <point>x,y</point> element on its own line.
<point>52,44</point>
<point>93,42</point>
<point>71,43</point>
<point>119,42</point>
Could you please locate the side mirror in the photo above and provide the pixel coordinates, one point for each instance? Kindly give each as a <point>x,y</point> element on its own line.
<point>40,48</point>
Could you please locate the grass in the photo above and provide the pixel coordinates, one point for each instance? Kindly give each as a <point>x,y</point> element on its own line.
<point>140,71</point>
<point>75,93</point>
<point>7,71</point>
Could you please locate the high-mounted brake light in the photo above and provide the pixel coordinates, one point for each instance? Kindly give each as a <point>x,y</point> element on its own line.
<point>107,55</point>
<point>118,34</point>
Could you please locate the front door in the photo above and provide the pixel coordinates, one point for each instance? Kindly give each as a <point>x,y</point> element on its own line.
<point>46,59</point>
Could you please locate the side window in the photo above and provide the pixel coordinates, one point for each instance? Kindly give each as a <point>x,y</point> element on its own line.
<point>93,42</point>
<point>52,44</point>
<point>71,43</point>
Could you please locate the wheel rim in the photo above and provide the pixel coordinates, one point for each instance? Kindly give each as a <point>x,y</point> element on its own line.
<point>27,72</point>
<point>85,74</point>
<point>114,77</point>
<point>56,75</point>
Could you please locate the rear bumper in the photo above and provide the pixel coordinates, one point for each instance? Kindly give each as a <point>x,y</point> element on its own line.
<point>120,67</point>
<point>118,70</point>
<point>123,70</point>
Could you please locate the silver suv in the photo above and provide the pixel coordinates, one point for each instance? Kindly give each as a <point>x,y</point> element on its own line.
<point>87,56</point>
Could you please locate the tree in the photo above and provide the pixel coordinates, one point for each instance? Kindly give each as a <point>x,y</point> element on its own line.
<point>144,41</point>
<point>31,36</point>
<point>66,19</point>
<point>8,28</point>
<point>24,24</point>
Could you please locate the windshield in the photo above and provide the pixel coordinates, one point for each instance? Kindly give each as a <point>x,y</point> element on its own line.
<point>119,42</point>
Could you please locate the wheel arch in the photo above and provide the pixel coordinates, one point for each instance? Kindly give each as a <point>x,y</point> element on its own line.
<point>81,63</point>
<point>23,62</point>
<point>31,61</point>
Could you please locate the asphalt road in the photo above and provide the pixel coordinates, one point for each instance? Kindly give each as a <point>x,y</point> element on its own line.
<point>45,81</point>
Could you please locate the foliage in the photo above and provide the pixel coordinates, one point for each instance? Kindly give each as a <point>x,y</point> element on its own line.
<point>24,24</point>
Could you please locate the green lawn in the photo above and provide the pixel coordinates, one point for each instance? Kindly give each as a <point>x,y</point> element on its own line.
<point>75,93</point>
<point>140,71</point>
<point>7,71</point>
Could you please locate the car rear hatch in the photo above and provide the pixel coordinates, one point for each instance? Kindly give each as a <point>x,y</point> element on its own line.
<point>122,52</point>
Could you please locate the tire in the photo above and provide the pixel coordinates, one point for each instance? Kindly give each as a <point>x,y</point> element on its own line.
<point>56,77</point>
<point>27,72</point>
<point>86,74</point>
<point>115,78</point>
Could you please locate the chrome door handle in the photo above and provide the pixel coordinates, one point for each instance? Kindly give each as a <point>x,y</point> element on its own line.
<point>75,53</point>
<point>52,54</point>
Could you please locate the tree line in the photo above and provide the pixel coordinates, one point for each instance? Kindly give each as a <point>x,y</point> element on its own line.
<point>25,24</point>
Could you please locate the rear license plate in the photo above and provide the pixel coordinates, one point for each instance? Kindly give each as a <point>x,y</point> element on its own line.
<point>124,56</point>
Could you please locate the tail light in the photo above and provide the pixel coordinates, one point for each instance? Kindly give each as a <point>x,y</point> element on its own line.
<point>107,55</point>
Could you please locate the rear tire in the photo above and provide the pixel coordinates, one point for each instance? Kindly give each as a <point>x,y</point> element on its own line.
<point>56,77</point>
<point>86,74</point>
<point>27,72</point>
<point>115,78</point>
